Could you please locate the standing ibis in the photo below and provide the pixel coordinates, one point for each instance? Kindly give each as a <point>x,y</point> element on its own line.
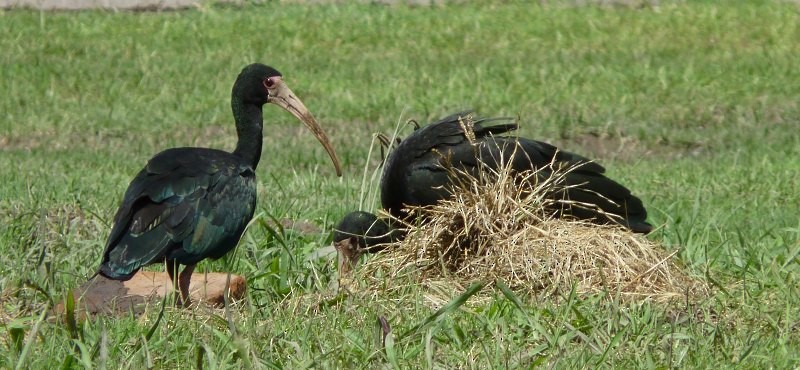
<point>189,204</point>
<point>417,173</point>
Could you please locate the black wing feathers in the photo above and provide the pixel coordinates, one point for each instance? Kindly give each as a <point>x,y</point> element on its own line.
<point>415,172</point>
<point>180,193</point>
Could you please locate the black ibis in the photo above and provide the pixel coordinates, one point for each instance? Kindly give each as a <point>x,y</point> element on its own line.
<point>189,204</point>
<point>416,173</point>
<point>359,232</point>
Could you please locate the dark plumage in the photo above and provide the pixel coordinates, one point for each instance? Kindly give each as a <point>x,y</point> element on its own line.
<point>189,204</point>
<point>416,173</point>
<point>359,232</point>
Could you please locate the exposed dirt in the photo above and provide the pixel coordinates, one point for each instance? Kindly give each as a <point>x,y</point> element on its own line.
<point>139,5</point>
<point>215,136</point>
<point>110,297</point>
<point>595,145</point>
<point>604,146</point>
<point>160,5</point>
<point>300,226</point>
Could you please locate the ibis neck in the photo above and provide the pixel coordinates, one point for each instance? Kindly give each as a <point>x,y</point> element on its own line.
<point>249,124</point>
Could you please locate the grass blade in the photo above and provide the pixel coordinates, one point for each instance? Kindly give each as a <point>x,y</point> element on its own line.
<point>448,308</point>
<point>509,294</point>
<point>152,329</point>
<point>391,355</point>
<point>29,342</point>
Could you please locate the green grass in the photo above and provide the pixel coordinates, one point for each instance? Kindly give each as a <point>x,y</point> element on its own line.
<point>707,93</point>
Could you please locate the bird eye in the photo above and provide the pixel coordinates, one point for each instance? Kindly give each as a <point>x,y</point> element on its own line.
<point>269,82</point>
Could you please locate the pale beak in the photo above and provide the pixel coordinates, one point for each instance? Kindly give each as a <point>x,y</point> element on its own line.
<point>349,255</point>
<point>282,96</point>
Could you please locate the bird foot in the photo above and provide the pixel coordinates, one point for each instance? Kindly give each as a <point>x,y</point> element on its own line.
<point>181,302</point>
<point>181,286</point>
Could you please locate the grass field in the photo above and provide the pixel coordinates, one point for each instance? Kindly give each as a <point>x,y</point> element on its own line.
<point>694,105</point>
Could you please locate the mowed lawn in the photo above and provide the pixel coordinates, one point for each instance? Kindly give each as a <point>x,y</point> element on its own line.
<point>693,105</point>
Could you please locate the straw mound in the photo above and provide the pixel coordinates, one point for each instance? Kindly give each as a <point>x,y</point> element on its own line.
<point>497,229</point>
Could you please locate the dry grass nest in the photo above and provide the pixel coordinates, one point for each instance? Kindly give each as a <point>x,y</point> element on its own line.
<point>495,228</point>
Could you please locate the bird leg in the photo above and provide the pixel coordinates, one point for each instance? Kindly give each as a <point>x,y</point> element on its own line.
<point>181,284</point>
<point>184,279</point>
<point>386,144</point>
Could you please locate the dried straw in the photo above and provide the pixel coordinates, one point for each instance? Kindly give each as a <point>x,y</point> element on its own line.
<point>498,227</point>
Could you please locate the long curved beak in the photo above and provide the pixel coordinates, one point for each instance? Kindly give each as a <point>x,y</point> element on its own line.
<point>348,254</point>
<point>283,97</point>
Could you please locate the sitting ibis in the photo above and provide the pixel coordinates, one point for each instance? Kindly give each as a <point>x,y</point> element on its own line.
<point>416,173</point>
<point>188,204</point>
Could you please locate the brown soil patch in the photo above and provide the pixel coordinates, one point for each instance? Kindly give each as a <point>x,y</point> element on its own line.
<point>617,147</point>
<point>110,297</point>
